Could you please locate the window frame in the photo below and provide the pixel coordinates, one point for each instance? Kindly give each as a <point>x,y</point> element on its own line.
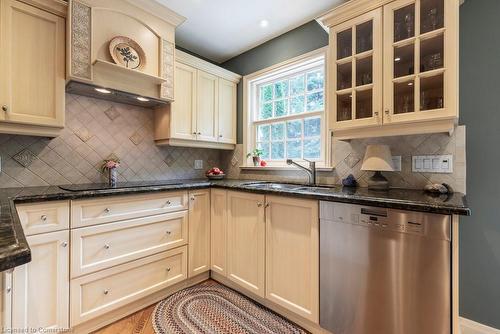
<point>251,95</point>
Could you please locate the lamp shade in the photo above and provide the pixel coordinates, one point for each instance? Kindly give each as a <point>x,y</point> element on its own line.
<point>378,158</point>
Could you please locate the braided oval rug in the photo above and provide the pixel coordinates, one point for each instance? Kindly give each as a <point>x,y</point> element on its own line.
<point>210,307</point>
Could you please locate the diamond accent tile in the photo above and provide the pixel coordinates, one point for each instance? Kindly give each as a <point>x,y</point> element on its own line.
<point>112,113</point>
<point>234,161</point>
<point>83,134</point>
<point>25,157</point>
<point>136,138</point>
<point>169,160</point>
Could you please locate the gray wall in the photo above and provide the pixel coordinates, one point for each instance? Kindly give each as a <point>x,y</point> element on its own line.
<point>480,112</point>
<point>303,39</point>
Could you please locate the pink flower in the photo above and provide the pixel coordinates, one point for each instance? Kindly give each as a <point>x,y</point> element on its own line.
<point>112,164</point>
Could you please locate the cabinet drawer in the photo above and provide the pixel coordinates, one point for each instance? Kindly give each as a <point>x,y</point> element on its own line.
<point>44,217</point>
<point>99,247</point>
<point>111,209</point>
<point>96,294</point>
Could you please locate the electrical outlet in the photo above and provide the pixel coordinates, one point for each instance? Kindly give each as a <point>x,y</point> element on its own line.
<point>396,162</point>
<point>198,164</point>
<point>432,164</point>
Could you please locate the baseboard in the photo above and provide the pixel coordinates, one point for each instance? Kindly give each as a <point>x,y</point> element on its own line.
<point>471,327</point>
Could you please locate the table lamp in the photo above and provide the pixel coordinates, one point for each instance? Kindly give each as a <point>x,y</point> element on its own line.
<point>378,159</point>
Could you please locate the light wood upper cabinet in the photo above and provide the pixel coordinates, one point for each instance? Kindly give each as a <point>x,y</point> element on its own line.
<point>357,71</point>
<point>32,43</point>
<point>246,241</point>
<point>40,294</point>
<point>292,255</point>
<point>199,232</point>
<point>226,113</point>
<point>207,107</point>
<point>218,231</point>
<point>184,108</point>
<point>204,112</point>
<point>414,89</point>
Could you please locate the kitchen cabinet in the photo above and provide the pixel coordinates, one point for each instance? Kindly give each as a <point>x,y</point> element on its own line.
<point>40,289</point>
<point>199,232</point>
<point>227,116</point>
<point>204,111</point>
<point>246,241</point>
<point>292,255</point>
<point>218,231</point>
<point>414,89</point>
<point>33,45</point>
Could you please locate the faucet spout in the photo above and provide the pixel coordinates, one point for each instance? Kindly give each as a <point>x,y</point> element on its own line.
<point>311,171</point>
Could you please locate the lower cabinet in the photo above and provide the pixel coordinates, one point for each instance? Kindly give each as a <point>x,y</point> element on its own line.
<point>96,294</point>
<point>199,232</point>
<point>246,241</point>
<point>218,231</point>
<point>292,255</point>
<point>40,289</point>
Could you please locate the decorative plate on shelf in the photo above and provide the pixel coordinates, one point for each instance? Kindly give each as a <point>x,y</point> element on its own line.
<point>127,53</point>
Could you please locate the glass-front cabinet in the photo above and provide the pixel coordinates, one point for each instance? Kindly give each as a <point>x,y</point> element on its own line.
<point>393,67</point>
<point>357,71</point>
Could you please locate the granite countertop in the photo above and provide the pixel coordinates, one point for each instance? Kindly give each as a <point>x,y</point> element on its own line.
<point>14,249</point>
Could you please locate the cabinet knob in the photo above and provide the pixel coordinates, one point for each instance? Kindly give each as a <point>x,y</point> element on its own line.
<point>168,270</point>
<point>64,244</point>
<point>199,133</point>
<point>5,108</point>
<point>168,202</point>
<point>106,246</point>
<point>220,136</point>
<point>107,210</point>
<point>9,289</point>
<point>106,291</point>
<point>259,205</point>
<point>267,205</point>
<point>193,198</point>
<point>376,113</point>
<point>168,232</point>
<point>43,218</point>
<point>194,133</point>
<point>387,111</point>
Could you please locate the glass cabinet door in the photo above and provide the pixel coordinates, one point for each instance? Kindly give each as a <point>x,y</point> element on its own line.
<point>356,71</point>
<point>419,61</point>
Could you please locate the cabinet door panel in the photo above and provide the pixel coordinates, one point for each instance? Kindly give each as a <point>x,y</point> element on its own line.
<point>227,111</point>
<point>183,116</point>
<point>199,232</point>
<point>45,278</point>
<point>32,65</point>
<point>246,241</point>
<point>292,255</point>
<point>356,72</point>
<point>420,60</point>
<point>218,231</point>
<point>207,111</point>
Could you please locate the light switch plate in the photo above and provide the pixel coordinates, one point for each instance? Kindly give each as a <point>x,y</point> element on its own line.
<point>432,163</point>
<point>198,164</point>
<point>396,162</point>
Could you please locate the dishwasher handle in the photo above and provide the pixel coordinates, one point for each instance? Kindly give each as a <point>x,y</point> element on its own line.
<point>374,212</point>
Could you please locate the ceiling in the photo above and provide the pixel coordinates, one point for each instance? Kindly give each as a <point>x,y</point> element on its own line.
<point>222,29</point>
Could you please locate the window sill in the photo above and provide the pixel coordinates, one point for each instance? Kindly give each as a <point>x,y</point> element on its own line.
<point>286,168</point>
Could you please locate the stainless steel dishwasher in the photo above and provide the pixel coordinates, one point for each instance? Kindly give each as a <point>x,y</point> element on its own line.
<point>384,271</point>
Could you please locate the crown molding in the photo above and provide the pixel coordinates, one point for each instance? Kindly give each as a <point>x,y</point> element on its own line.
<point>203,65</point>
<point>160,11</point>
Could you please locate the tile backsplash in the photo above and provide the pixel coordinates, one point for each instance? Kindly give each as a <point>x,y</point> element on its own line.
<point>348,158</point>
<point>95,130</point>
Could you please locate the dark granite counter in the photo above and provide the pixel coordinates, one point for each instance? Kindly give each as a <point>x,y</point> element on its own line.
<point>14,249</point>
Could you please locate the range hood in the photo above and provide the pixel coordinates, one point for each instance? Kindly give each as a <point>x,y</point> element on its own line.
<point>99,32</point>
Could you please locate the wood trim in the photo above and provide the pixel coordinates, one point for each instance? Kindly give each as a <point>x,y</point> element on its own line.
<point>350,10</point>
<point>30,130</point>
<point>160,11</point>
<point>205,66</point>
<point>471,327</point>
<point>57,7</point>
<point>430,126</point>
<point>195,144</point>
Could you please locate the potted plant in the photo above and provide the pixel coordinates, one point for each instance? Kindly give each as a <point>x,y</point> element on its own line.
<point>110,166</point>
<point>255,154</point>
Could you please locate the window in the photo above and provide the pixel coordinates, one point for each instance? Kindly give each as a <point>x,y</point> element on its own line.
<point>286,112</point>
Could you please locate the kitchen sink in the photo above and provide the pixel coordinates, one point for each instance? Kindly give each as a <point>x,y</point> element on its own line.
<point>286,186</point>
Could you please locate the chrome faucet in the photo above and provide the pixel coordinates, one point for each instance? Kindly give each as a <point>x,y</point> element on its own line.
<point>311,171</point>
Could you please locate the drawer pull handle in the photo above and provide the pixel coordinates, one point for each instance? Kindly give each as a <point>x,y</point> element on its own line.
<point>43,218</point>
<point>168,270</point>
<point>64,244</point>
<point>106,246</point>
<point>169,232</point>
<point>106,291</point>
<point>107,210</point>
